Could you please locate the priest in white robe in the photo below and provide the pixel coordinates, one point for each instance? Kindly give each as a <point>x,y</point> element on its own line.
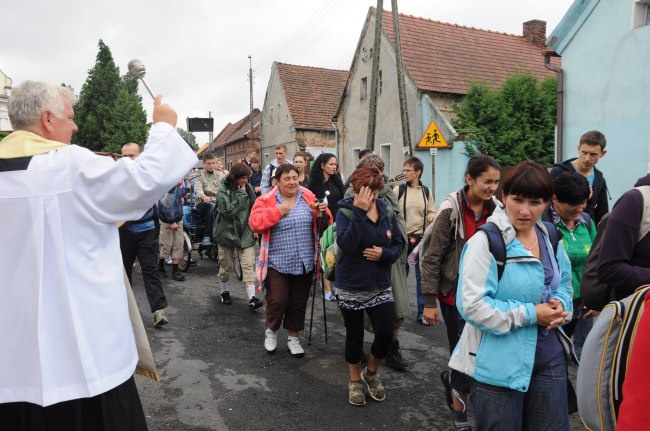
<point>68,350</point>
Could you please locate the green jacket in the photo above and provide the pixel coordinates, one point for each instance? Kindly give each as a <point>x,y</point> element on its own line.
<point>233,207</point>
<point>577,244</point>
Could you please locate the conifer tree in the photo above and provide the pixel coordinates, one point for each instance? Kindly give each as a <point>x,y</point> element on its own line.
<point>109,112</point>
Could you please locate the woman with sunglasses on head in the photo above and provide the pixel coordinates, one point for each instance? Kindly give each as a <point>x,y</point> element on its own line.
<point>458,218</point>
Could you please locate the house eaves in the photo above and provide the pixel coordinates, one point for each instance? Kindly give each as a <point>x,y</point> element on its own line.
<point>571,22</point>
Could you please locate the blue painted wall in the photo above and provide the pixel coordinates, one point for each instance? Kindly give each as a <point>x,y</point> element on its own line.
<point>606,66</point>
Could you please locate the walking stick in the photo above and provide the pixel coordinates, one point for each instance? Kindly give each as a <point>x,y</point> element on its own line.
<point>313,297</point>
<point>318,272</point>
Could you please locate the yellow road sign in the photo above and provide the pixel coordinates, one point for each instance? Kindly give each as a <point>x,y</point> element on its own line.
<point>432,137</point>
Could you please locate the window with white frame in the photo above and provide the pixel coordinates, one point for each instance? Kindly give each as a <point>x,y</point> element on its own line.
<point>355,154</point>
<point>641,13</point>
<point>364,88</point>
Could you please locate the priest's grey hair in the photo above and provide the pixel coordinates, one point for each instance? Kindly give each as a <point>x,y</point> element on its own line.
<point>29,99</point>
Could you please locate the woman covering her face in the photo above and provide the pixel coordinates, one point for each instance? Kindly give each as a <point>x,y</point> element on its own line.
<point>370,241</point>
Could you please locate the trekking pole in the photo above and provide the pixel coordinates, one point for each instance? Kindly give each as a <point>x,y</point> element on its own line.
<point>321,274</point>
<point>315,281</point>
<point>324,309</point>
<point>313,299</point>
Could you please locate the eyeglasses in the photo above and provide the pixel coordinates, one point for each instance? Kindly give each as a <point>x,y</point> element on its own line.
<point>408,170</point>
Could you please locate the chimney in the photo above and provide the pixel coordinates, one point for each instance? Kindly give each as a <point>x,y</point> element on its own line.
<point>535,32</point>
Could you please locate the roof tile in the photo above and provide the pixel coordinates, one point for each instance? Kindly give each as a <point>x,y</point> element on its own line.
<point>313,93</point>
<point>446,58</point>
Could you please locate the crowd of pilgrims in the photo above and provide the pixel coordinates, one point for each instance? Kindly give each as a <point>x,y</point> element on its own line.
<point>505,275</point>
<point>275,216</point>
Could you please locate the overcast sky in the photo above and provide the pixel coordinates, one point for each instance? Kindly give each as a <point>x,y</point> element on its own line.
<point>196,51</point>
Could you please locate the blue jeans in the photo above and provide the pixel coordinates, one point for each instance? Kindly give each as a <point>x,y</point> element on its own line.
<point>543,407</point>
<point>418,288</point>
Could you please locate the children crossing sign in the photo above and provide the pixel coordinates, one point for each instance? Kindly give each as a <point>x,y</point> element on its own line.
<point>432,137</point>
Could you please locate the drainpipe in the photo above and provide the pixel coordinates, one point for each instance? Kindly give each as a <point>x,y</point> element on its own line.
<point>335,124</point>
<point>560,102</point>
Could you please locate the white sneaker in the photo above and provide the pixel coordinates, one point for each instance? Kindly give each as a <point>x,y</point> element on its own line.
<point>295,348</point>
<point>270,340</point>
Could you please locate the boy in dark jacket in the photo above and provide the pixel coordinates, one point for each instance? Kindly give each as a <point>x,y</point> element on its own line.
<point>590,150</point>
<point>170,213</point>
<point>624,260</point>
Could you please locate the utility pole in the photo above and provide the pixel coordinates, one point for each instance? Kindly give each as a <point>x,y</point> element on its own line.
<point>372,113</point>
<point>406,134</point>
<point>210,134</point>
<point>250,78</point>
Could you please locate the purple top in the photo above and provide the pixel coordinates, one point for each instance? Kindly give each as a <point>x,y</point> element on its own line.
<point>624,261</point>
<point>548,343</point>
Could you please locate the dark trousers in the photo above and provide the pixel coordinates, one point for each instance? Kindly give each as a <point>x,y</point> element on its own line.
<point>455,324</point>
<point>286,299</point>
<point>144,246</point>
<point>117,409</point>
<point>383,321</point>
<point>206,210</point>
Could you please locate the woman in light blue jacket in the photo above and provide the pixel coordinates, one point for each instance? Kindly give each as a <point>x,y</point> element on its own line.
<point>511,344</point>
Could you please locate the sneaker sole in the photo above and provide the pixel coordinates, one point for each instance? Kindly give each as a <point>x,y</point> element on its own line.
<point>161,323</point>
<point>270,352</point>
<point>370,392</point>
<point>357,405</point>
<point>252,307</point>
<point>297,355</point>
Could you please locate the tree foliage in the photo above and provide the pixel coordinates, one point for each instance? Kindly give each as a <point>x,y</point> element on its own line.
<point>514,123</point>
<point>189,138</point>
<point>109,112</point>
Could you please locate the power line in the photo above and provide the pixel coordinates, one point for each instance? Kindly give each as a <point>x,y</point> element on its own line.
<point>304,27</point>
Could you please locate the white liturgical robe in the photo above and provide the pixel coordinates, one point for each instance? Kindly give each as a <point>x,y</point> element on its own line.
<point>65,331</point>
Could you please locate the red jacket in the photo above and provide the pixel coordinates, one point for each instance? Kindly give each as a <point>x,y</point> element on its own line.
<point>634,413</point>
<point>265,214</point>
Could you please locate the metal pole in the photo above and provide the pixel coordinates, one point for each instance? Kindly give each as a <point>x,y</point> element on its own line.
<point>210,133</point>
<point>406,135</point>
<point>250,78</point>
<point>372,108</point>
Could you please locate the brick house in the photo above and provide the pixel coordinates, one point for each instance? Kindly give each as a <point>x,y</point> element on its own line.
<point>441,60</point>
<point>298,109</point>
<point>234,139</point>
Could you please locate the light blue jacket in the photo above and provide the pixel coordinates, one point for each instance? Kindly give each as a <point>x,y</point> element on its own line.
<point>498,343</point>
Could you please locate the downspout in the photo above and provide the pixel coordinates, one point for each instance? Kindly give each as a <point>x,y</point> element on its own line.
<point>335,124</point>
<point>560,102</point>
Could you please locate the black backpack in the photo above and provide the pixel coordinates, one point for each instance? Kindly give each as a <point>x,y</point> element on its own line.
<point>498,246</point>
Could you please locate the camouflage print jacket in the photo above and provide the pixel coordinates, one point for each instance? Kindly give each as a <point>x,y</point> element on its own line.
<point>207,184</point>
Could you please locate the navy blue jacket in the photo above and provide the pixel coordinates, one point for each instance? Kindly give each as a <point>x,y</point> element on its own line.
<point>353,271</point>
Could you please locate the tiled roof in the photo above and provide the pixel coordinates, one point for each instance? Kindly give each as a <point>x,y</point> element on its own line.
<point>313,93</point>
<point>446,58</point>
<point>237,131</point>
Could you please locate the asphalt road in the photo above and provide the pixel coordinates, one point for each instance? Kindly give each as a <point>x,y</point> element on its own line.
<point>216,374</point>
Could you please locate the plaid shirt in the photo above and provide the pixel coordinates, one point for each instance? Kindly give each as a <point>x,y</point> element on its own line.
<point>291,249</point>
